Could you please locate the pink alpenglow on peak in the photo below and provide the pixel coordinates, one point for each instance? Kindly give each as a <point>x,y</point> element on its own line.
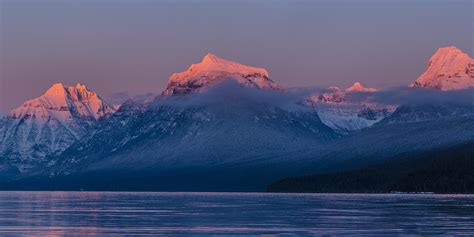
<point>64,103</point>
<point>358,87</point>
<point>50,123</point>
<point>212,70</point>
<point>448,69</point>
<point>80,86</point>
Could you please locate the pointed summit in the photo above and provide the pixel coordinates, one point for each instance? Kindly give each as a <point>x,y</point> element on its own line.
<point>358,87</point>
<point>50,123</point>
<point>57,89</point>
<point>212,70</point>
<point>64,104</point>
<point>448,69</point>
<point>210,58</point>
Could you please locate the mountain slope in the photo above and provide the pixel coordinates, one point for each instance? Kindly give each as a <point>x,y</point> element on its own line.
<point>203,131</point>
<point>49,124</point>
<point>448,69</point>
<point>227,129</point>
<point>411,128</point>
<point>198,155</point>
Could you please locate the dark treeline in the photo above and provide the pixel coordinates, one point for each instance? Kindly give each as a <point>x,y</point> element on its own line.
<point>447,170</point>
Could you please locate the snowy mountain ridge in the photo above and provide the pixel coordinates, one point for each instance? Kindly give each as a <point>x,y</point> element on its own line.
<point>212,70</point>
<point>64,103</point>
<point>48,124</point>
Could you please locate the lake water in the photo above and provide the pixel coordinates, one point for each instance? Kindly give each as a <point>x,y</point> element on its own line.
<point>113,213</point>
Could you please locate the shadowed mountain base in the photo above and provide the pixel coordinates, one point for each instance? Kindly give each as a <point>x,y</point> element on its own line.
<point>447,170</point>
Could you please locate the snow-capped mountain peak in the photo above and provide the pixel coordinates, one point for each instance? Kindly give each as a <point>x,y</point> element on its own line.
<point>49,123</point>
<point>358,87</point>
<point>211,62</point>
<point>212,70</point>
<point>64,103</point>
<point>448,69</point>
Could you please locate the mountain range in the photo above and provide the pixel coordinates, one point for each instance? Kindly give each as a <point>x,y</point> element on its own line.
<point>222,125</point>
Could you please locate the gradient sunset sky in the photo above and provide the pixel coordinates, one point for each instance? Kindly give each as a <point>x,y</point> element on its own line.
<point>135,45</point>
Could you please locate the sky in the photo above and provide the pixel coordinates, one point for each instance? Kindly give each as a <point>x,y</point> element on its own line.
<point>133,46</point>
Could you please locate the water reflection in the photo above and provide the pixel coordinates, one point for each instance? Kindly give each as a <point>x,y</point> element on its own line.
<point>101,213</point>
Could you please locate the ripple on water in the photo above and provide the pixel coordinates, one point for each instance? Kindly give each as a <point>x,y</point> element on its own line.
<point>102,213</point>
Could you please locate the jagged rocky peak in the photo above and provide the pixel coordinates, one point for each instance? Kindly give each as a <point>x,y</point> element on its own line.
<point>358,87</point>
<point>212,70</point>
<point>448,69</point>
<point>64,103</point>
<point>48,124</point>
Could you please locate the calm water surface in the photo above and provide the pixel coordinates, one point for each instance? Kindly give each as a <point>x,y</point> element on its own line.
<point>110,213</point>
